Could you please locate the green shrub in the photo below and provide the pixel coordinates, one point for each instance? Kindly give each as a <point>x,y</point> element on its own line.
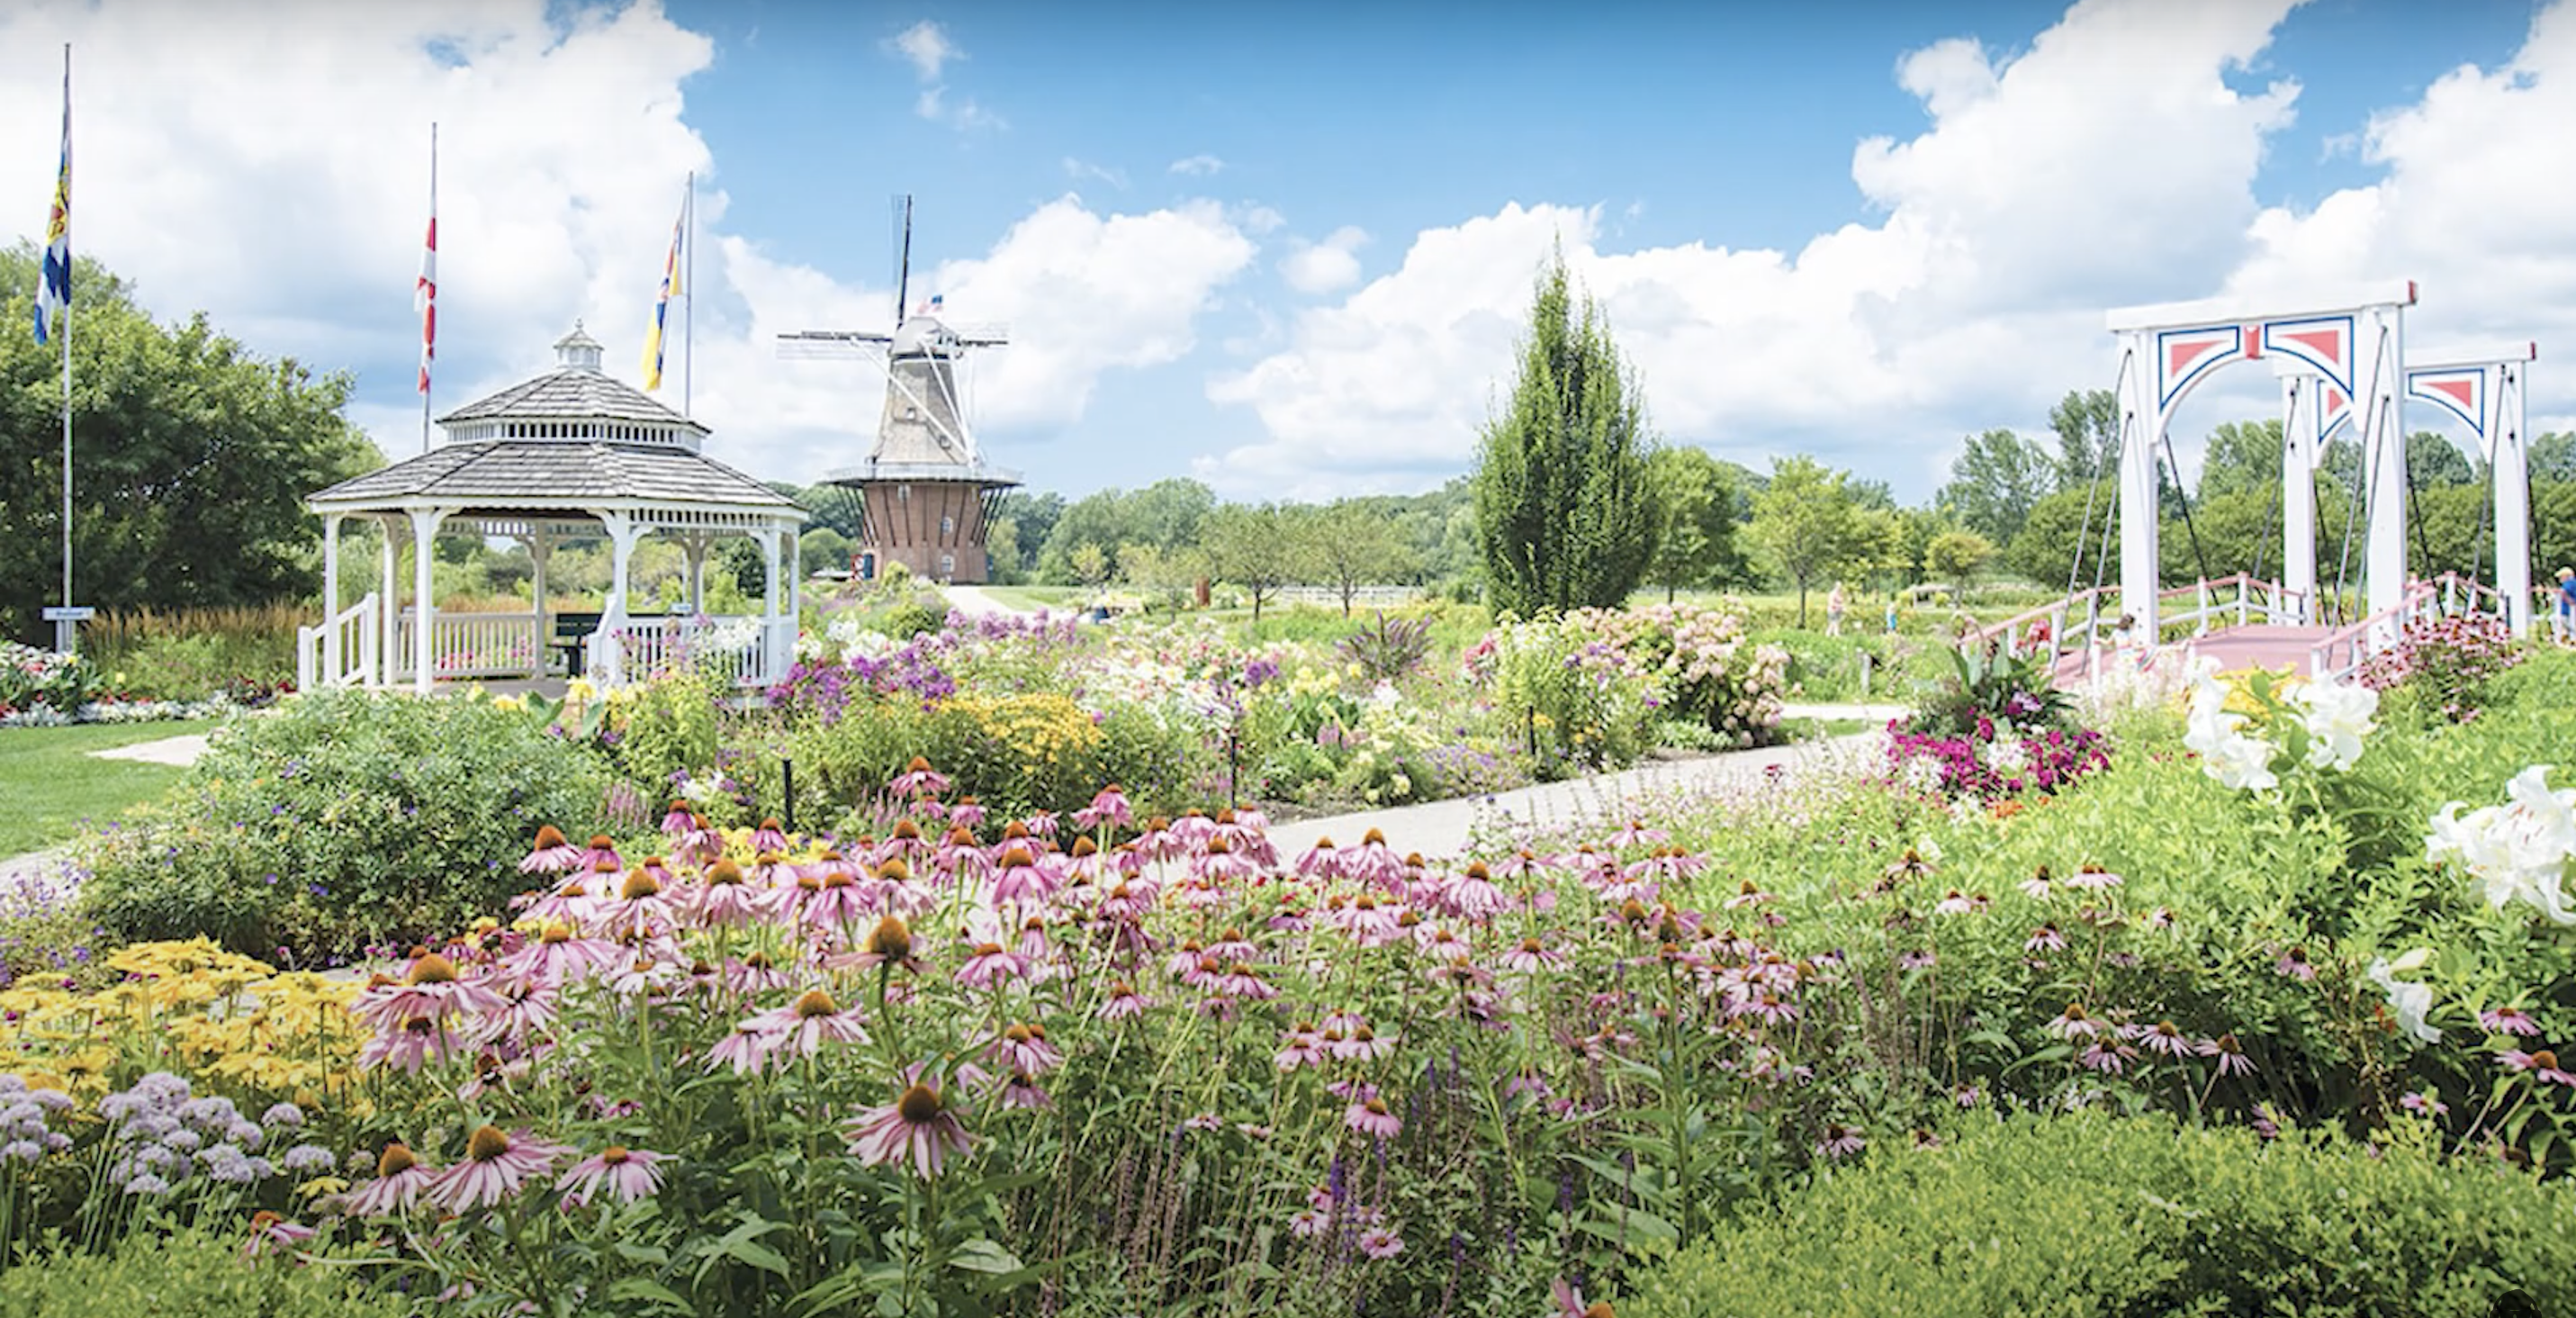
<point>2093,1214</point>
<point>193,1273</point>
<point>344,820</point>
<point>1014,752</point>
<point>665,728</point>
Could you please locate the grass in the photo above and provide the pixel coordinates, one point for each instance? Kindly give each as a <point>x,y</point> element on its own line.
<point>1055,598</point>
<point>54,785</point>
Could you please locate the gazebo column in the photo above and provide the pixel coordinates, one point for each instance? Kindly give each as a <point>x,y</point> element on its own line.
<point>772,668</point>
<point>693,579</point>
<point>424,529</point>
<point>541,546</point>
<point>388,609</point>
<point>622,535</point>
<point>330,597</point>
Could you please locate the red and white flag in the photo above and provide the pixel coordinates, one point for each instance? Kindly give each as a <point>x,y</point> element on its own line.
<point>424,299</point>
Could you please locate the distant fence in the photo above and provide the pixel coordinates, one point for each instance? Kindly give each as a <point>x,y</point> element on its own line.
<point>1374,597</point>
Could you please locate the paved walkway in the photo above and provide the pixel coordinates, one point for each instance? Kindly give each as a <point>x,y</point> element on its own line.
<point>974,603</point>
<point>1442,828</point>
<point>178,752</point>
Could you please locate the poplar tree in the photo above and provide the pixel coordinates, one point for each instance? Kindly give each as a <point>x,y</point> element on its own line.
<point>1565,515</point>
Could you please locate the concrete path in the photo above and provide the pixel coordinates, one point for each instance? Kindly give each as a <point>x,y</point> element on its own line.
<point>974,603</point>
<point>1442,828</point>
<point>178,752</point>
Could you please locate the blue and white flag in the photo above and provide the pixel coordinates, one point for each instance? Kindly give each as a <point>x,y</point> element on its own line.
<point>54,289</point>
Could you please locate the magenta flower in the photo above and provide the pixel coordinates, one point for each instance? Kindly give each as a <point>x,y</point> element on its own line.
<point>401,1177</point>
<point>1840,1141</point>
<point>551,854</point>
<point>916,1128</point>
<point>1121,1003</point>
<point>1108,807</point>
<point>2093,877</point>
<point>2073,1024</point>
<point>1369,1116</point>
<point>802,1026</point>
<point>1024,1048</point>
<point>2045,939</point>
<point>2509,1020</point>
<point>2230,1054</point>
<point>625,1174</point>
<point>1380,1243</point>
<point>1022,1091</point>
<point>2166,1039</point>
<point>496,1167</point>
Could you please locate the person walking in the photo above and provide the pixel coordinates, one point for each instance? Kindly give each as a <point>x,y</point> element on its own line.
<point>1836,604</point>
<point>2563,619</point>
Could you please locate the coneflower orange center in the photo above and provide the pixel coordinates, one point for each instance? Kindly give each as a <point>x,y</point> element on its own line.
<point>396,1160</point>
<point>640,885</point>
<point>890,939</point>
<point>488,1144</point>
<point>431,968</point>
<point>615,1155</point>
<point>723,871</point>
<point>815,1002</point>
<point>919,1105</point>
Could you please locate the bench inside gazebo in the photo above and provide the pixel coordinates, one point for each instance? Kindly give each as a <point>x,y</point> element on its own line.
<point>571,454</point>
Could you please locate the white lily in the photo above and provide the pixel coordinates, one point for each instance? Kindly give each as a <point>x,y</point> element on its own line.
<point>2409,1002</point>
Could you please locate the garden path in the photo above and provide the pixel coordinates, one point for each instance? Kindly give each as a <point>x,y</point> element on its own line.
<point>974,603</point>
<point>1442,828</point>
<point>178,752</point>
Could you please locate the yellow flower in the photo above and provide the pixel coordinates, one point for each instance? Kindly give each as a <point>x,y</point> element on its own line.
<point>580,691</point>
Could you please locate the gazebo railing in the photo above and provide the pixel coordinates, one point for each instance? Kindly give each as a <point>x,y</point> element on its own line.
<point>340,650</point>
<point>750,653</point>
<point>470,644</point>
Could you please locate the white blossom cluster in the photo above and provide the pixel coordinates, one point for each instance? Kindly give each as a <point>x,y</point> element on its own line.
<point>2519,850</point>
<point>2236,750</point>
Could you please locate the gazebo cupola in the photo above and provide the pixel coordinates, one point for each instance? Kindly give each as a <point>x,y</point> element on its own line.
<point>570,454</point>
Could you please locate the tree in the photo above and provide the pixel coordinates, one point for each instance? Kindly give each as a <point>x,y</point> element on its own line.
<point>1089,564</point>
<point>1696,515</point>
<point>1253,547</point>
<point>2058,539</point>
<point>1805,524</point>
<point>1349,545</point>
<point>1993,482</point>
<point>1955,555</point>
<point>1166,573</point>
<point>819,548</point>
<point>191,458</point>
<point>2432,459</point>
<point>2242,456</point>
<point>1563,511</point>
<point>2087,422</point>
<point>2553,457</point>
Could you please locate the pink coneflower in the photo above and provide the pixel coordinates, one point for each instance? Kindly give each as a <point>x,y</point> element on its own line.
<point>1920,958</point>
<point>1307,1222</point>
<point>2038,886</point>
<point>625,1174</point>
<point>270,1232</point>
<point>769,837</point>
<point>1322,861</point>
<point>429,988</point>
<point>746,1050</point>
<point>1569,1302</point>
<point>917,779</point>
<point>2230,1054</point>
<point>2509,1020</point>
<point>2073,1024</point>
<point>1024,1048</point>
<point>601,855</point>
<point>722,898</point>
<point>401,1178</point>
<point>701,845</point>
<point>558,955</point>
<point>1532,956</point>
<point>528,1008</point>
<point>1473,895</point>
<point>411,1045</point>
<point>1108,806</point>
<point>1020,877</point>
<point>990,963</point>
<point>2093,877</point>
<point>1233,946</point>
<point>1241,982</point>
<point>1840,1141</point>
<point>802,1026</point>
<point>2166,1039</point>
<point>2294,964</point>
<point>755,974</point>
<point>967,813</point>
<point>2424,1103</point>
<point>2108,1056</point>
<point>550,854</point>
<point>1022,1091</point>
<point>916,1127</point>
<point>1370,1117</point>
<point>1967,1096</point>
<point>1441,943</point>
<point>495,1167</point>
<point>1766,1006</point>
<point>678,821</point>
<point>2045,939</point>
<point>637,911</point>
<point>1362,1044</point>
<point>1305,1047</point>
<point>1635,833</point>
<point>1380,1243</point>
<point>2543,1066</point>
<point>1121,1003</point>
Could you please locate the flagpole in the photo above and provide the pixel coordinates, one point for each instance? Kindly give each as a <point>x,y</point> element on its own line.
<point>433,293</point>
<point>689,290</point>
<point>67,631</point>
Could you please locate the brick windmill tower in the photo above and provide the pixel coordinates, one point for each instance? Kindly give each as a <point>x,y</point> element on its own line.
<point>926,496</point>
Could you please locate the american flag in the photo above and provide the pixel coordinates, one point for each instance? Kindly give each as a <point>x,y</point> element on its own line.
<point>424,299</point>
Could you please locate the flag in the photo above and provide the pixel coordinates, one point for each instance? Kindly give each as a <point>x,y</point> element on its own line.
<point>662,303</point>
<point>54,287</point>
<point>424,299</point>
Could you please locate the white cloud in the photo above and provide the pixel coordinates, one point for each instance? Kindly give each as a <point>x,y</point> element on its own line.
<point>1327,266</point>
<point>562,153</point>
<point>926,44</point>
<point>2466,207</point>
<point>1079,170</point>
<point>2111,163</point>
<point>927,47</point>
<point>1199,165</point>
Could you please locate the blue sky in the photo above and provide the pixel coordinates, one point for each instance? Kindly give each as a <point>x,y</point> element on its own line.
<point>1280,247</point>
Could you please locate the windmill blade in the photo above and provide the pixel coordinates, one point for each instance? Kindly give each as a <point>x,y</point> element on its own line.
<point>832,345</point>
<point>983,335</point>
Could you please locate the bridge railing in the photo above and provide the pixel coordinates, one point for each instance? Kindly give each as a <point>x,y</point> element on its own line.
<point>2342,652</point>
<point>2085,622</point>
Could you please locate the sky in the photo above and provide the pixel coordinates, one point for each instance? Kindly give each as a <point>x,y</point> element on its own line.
<point>1287,249</point>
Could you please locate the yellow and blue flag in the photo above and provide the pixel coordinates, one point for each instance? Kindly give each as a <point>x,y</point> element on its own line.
<point>54,288</point>
<point>662,303</point>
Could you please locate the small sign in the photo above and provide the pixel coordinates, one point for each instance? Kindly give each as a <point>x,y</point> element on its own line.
<point>69,613</point>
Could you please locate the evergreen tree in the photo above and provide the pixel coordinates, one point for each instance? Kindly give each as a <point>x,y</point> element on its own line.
<point>1564,513</point>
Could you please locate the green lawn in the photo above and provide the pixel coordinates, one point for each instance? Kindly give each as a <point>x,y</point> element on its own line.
<point>1055,598</point>
<point>53,785</point>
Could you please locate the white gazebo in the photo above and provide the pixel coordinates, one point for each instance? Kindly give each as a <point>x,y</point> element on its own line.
<point>569,454</point>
